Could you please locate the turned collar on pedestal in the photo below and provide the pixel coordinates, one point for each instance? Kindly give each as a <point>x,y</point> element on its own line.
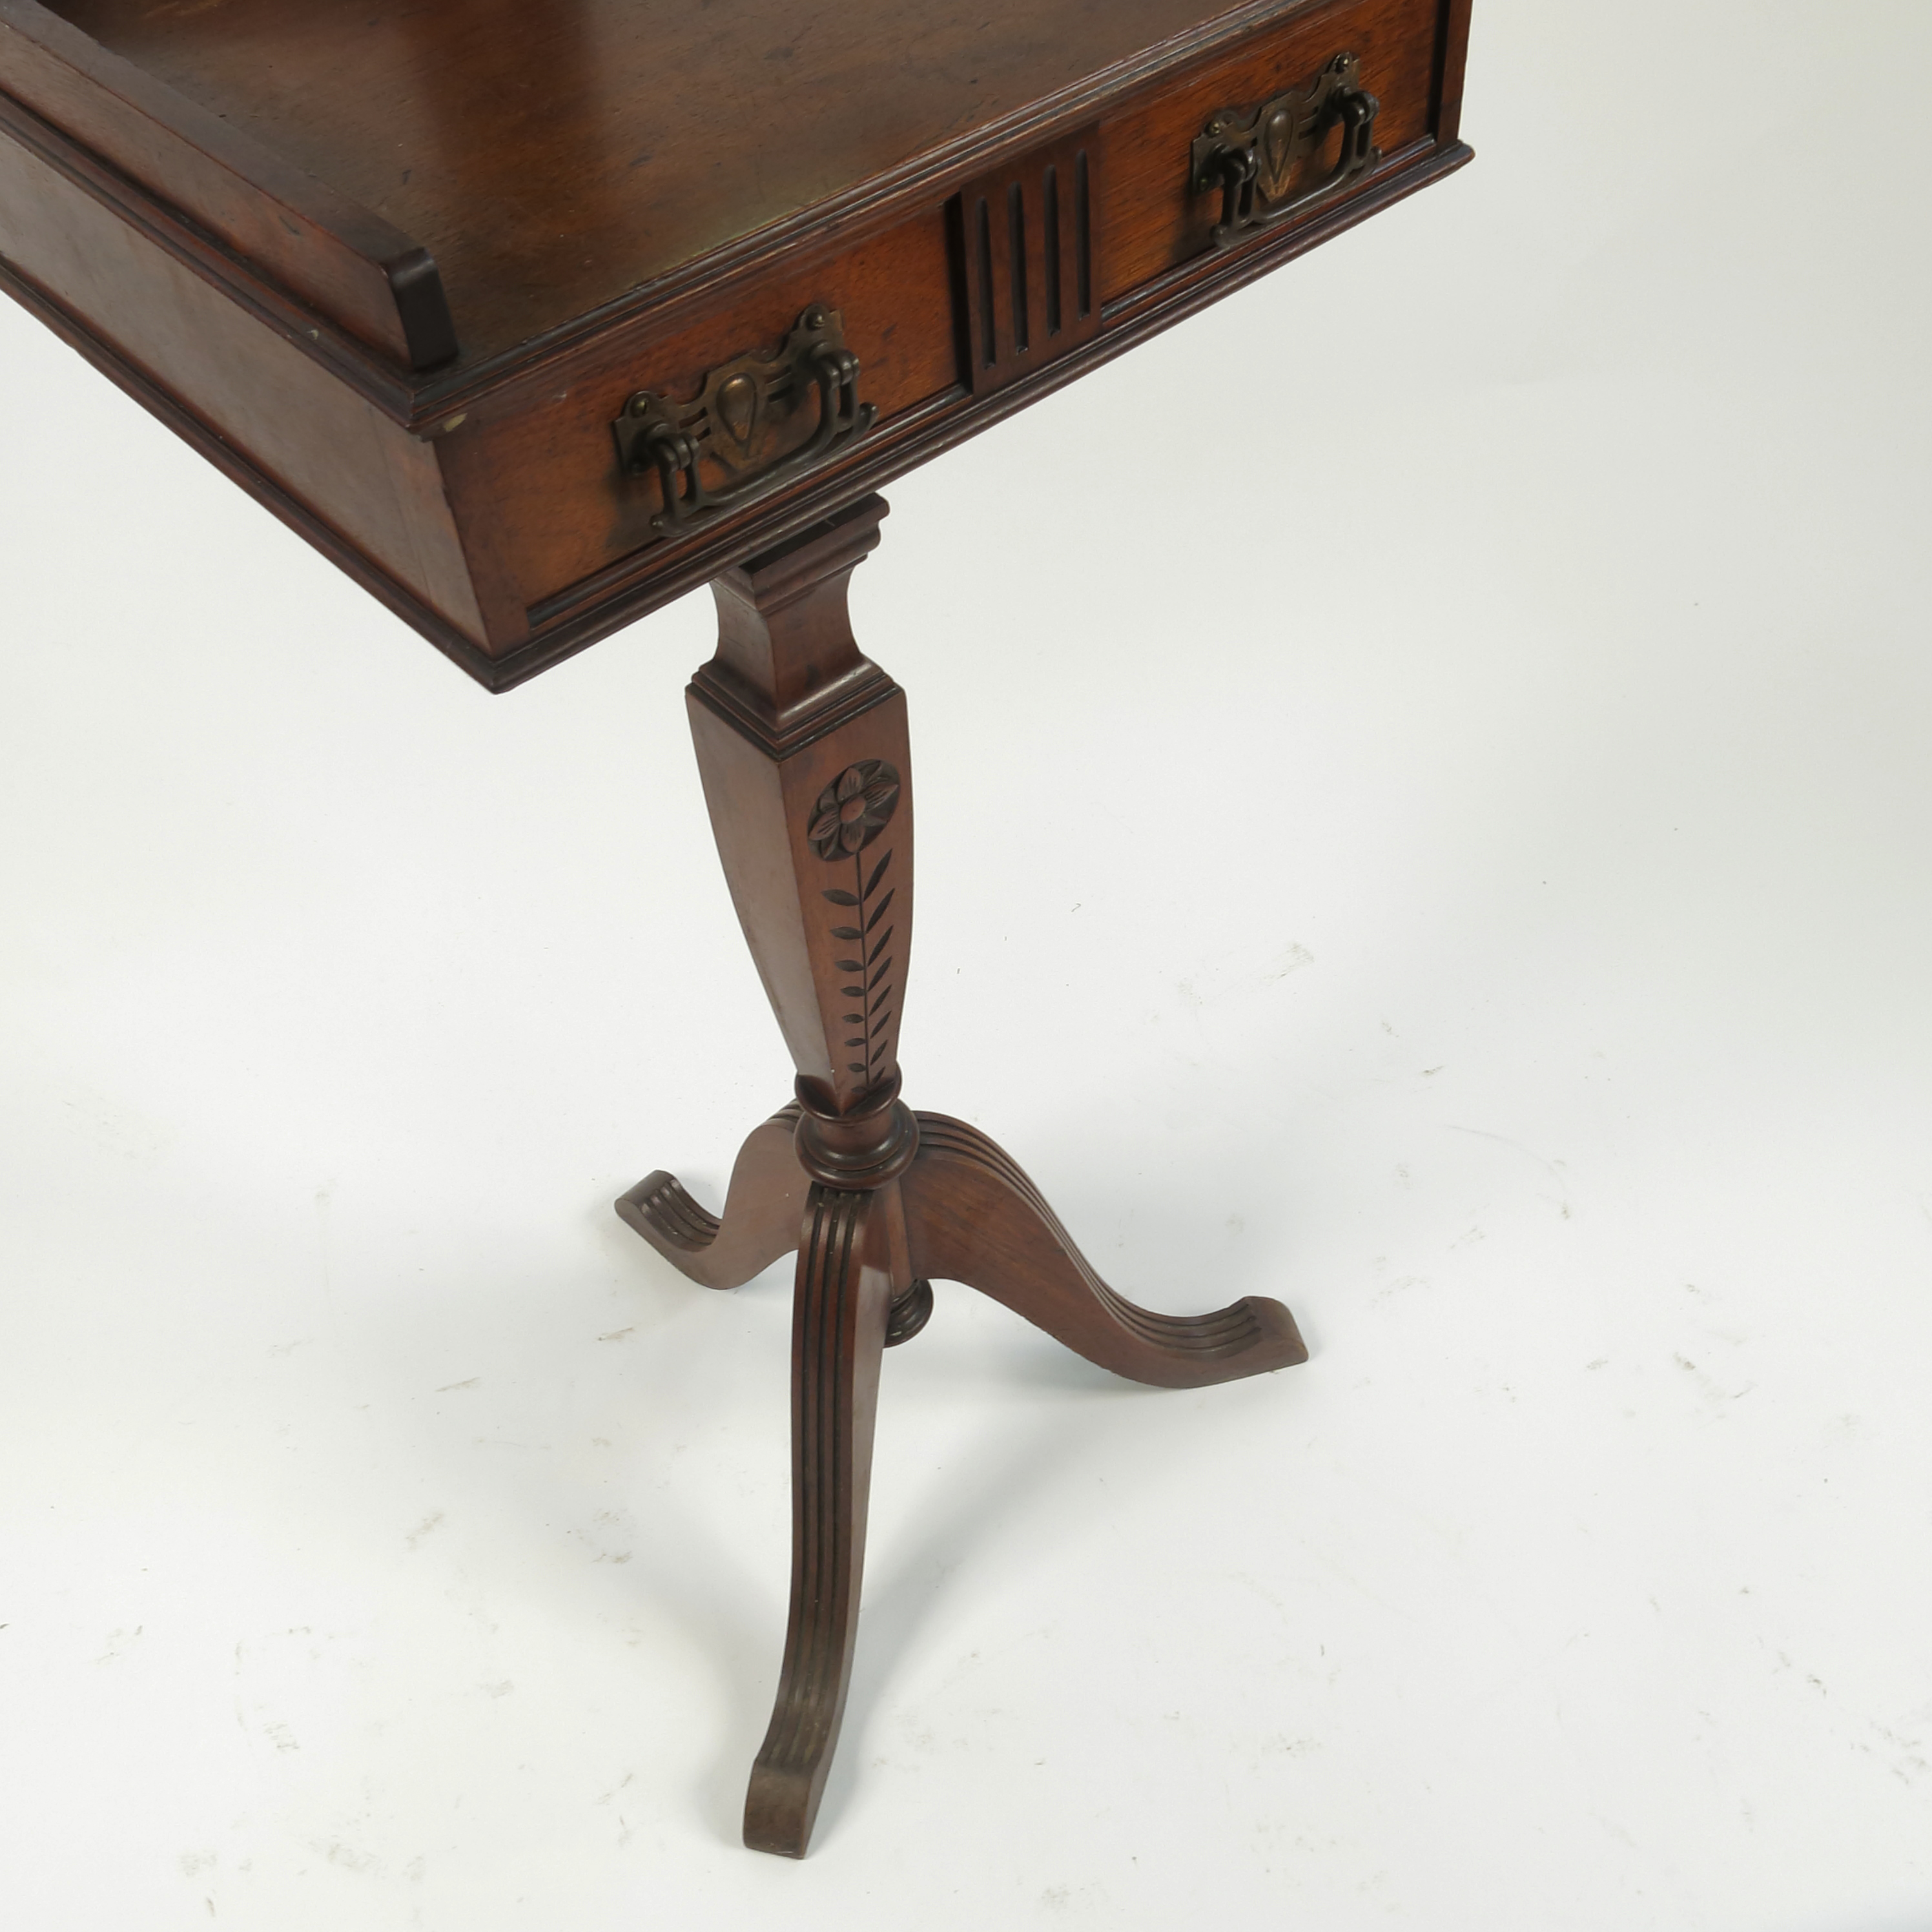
<point>864,1149</point>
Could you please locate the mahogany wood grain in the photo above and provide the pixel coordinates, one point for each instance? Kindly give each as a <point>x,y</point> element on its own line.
<point>355,267</point>
<point>222,455</point>
<point>332,452</point>
<point>506,529</point>
<point>801,748</point>
<point>840,1307</point>
<point>801,743</point>
<point>598,606</point>
<point>237,207</point>
<point>1452,59</point>
<point>1026,237</point>
<point>532,470</point>
<point>1151,223</point>
<point>760,1224</point>
<point>973,1217</point>
<point>552,159</point>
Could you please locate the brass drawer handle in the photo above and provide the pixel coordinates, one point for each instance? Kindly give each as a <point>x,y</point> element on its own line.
<point>1250,154</point>
<point>728,421</point>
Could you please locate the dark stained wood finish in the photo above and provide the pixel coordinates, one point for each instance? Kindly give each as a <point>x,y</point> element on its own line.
<point>642,582</point>
<point>247,212</point>
<point>531,473</point>
<point>1152,224</point>
<point>802,745</point>
<point>839,1311</point>
<point>973,1217</point>
<point>794,730</point>
<point>1027,239</point>
<point>354,267</point>
<point>316,444</point>
<point>314,171</point>
<point>552,159</point>
<point>1452,57</point>
<point>760,1224</point>
<point>532,470</point>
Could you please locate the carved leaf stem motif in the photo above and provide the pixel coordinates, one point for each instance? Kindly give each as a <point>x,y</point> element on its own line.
<point>850,815</point>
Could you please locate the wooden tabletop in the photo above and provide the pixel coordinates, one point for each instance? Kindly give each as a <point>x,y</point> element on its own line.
<point>552,158</point>
<point>534,316</point>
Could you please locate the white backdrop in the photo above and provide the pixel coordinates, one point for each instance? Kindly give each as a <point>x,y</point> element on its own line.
<point>1469,882</point>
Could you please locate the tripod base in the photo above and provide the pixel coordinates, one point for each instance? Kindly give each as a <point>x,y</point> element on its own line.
<point>962,1210</point>
<point>803,752</point>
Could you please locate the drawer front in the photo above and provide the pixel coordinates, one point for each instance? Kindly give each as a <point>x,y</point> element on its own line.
<point>1156,216</point>
<point>589,498</point>
<point>1061,236</point>
<point>551,518</point>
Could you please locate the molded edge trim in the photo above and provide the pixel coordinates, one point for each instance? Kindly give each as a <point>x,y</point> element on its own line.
<point>855,214</point>
<point>400,602</point>
<point>377,381</point>
<point>922,432</point>
<point>349,264</point>
<point>1452,54</point>
<point>583,614</point>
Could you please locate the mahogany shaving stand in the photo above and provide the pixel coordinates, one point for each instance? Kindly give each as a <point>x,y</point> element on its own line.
<point>801,746</point>
<point>533,319</point>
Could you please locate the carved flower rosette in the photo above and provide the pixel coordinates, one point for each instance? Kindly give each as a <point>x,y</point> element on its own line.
<point>851,813</point>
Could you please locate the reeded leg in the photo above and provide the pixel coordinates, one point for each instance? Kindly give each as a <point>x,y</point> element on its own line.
<point>838,1330</point>
<point>763,1207</point>
<point>803,749</point>
<point>972,1216</point>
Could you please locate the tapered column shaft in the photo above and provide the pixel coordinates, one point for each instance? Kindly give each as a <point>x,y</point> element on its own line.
<point>801,748</point>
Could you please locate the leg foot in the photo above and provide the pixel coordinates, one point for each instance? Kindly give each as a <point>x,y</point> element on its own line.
<point>910,1312</point>
<point>972,1216</point>
<point>763,1208</point>
<point>843,1297</point>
